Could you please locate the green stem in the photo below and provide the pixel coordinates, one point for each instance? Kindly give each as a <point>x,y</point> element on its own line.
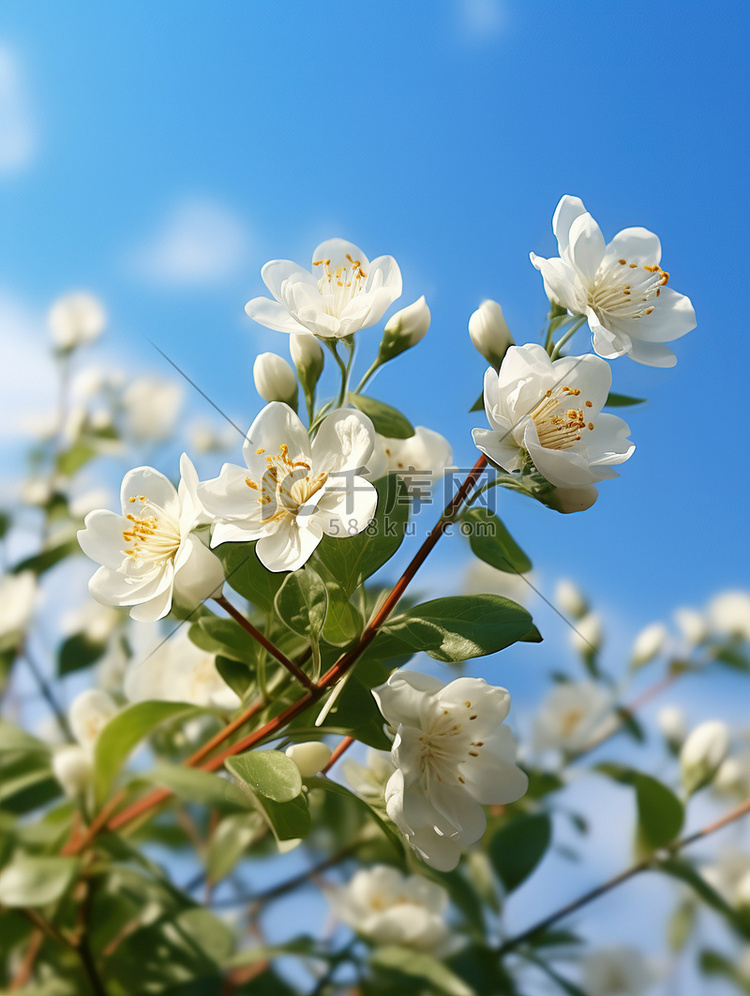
<point>564,338</point>
<point>375,365</point>
<point>344,368</point>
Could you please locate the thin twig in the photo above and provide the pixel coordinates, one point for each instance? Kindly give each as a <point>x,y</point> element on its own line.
<point>652,862</point>
<point>342,747</point>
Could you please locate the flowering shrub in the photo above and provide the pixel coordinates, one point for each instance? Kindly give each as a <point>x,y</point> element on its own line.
<point>216,737</point>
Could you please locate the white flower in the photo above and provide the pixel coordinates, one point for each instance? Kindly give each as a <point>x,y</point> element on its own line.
<point>149,551</point>
<point>369,780</point>
<point>620,287</point>
<point>210,437</point>
<point>94,621</point>
<point>671,722</point>
<point>692,624</point>
<point>76,319</point>
<point>421,459</point>
<point>17,597</point>
<point>73,766</point>
<point>151,408</point>
<point>648,644</point>
<point>89,713</point>
<point>571,716</point>
<point>489,332</point>
<point>587,636</point>
<point>452,756</point>
<point>176,670</point>
<point>733,776</point>
<point>310,757</point>
<point>570,599</point>
<point>344,293</point>
<point>702,753</point>
<point>404,329</point>
<point>727,873</point>
<point>274,378</point>
<point>729,614</point>
<point>552,411</point>
<point>616,971</point>
<point>387,907</point>
<point>292,492</point>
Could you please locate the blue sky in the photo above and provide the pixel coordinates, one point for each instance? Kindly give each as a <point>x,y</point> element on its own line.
<point>159,154</point>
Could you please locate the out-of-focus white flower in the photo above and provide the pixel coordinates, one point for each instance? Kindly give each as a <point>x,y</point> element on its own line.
<point>620,287</point>
<point>211,437</point>
<point>89,713</point>
<point>37,491</point>
<point>729,614</point>
<point>702,752</point>
<point>95,622</point>
<point>570,599</point>
<point>73,766</point>
<point>733,776</point>
<point>150,551</point>
<point>310,757</point>
<point>452,757</point>
<point>692,624</point>
<point>294,492</point>
<point>480,578</point>
<point>572,715</point>
<point>489,332</point>
<point>151,408</point>
<point>551,412</point>
<point>587,637</point>
<point>648,644</point>
<point>616,971</point>
<point>18,594</point>
<point>274,379</point>
<point>671,722</point>
<point>81,505</point>
<point>727,872</point>
<point>369,780</point>
<point>344,293</point>
<point>76,319</point>
<point>404,329</point>
<point>421,460</point>
<point>176,670</point>
<point>387,907</point>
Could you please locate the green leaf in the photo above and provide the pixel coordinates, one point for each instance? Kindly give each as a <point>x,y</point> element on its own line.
<point>344,623</point>
<point>224,636</point>
<point>458,628</point>
<point>492,543</point>
<point>478,405</point>
<point>287,820</point>
<point>386,420</point>
<point>236,674</point>
<point>201,787</point>
<point>41,562</point>
<point>622,400</point>
<point>410,969</point>
<point>13,738</point>
<point>302,602</point>
<point>353,559</point>
<point>71,460</point>
<point>518,847</point>
<point>124,731</point>
<point>681,925</point>
<point>660,812</point>
<point>77,652</point>
<point>247,576</point>
<point>268,773</point>
<point>330,786</point>
<point>231,838</point>
<point>33,880</point>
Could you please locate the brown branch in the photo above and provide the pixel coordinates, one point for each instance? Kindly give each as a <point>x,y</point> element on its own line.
<point>342,747</point>
<point>256,634</point>
<point>647,864</point>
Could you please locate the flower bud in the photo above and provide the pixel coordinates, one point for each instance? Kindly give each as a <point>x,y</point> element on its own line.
<point>89,713</point>
<point>489,332</point>
<point>568,500</point>
<point>308,358</point>
<point>587,637</point>
<point>648,644</point>
<point>274,379</point>
<point>404,330</point>
<point>73,766</point>
<point>671,722</point>
<point>702,753</point>
<point>570,599</point>
<point>310,757</point>
<point>692,624</point>
<point>730,614</point>
<point>76,319</point>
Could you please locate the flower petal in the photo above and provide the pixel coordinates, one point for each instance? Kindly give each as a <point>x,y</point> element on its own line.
<point>568,209</point>
<point>337,251</point>
<point>498,446</point>
<point>276,426</point>
<point>401,698</point>
<point>636,245</point>
<point>273,315</point>
<point>153,485</point>
<point>101,538</point>
<point>289,547</point>
<point>560,281</point>
<point>651,354</point>
<point>276,271</point>
<point>586,249</point>
<point>347,513</point>
<point>672,317</point>
<point>344,441</point>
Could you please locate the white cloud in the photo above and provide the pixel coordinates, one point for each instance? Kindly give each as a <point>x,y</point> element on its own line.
<point>18,139</point>
<point>200,243</point>
<point>482,19</point>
